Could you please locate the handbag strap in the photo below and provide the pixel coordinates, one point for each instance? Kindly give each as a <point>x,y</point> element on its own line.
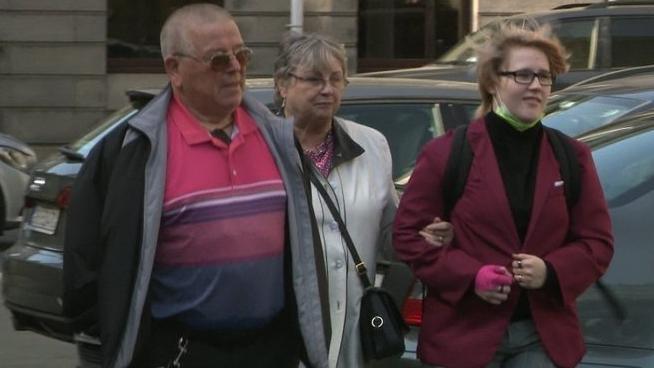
<point>360,267</point>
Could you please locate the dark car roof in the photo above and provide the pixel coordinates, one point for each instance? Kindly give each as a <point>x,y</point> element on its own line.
<point>365,88</point>
<point>360,89</point>
<point>598,9</point>
<point>637,86</point>
<point>643,70</point>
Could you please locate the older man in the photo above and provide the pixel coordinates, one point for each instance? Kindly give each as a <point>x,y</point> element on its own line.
<point>183,221</point>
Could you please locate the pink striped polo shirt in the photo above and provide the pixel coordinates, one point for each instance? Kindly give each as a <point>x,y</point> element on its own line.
<point>219,259</point>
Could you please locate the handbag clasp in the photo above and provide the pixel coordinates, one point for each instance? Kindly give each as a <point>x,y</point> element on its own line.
<point>361,268</point>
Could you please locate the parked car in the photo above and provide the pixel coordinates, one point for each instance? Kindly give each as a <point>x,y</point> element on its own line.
<point>407,112</point>
<point>588,106</point>
<point>16,159</point>
<point>600,36</point>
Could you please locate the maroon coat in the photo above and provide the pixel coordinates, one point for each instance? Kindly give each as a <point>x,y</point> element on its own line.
<point>459,329</point>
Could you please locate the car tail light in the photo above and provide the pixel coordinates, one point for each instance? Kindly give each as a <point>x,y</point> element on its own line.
<point>412,308</point>
<point>63,198</point>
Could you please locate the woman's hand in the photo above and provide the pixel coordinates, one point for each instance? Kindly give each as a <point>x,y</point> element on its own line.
<point>529,271</point>
<point>493,284</point>
<point>438,233</point>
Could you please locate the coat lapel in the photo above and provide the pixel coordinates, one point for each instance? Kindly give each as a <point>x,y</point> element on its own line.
<point>485,163</point>
<point>547,175</point>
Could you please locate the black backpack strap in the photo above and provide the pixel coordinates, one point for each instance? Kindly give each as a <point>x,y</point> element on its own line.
<point>456,170</point>
<point>568,164</point>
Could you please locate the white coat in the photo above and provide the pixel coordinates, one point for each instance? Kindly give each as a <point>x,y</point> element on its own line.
<point>361,185</point>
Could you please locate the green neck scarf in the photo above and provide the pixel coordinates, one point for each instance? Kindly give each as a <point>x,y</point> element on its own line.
<point>513,121</point>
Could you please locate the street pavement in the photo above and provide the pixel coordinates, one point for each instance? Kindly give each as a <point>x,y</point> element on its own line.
<point>24,349</point>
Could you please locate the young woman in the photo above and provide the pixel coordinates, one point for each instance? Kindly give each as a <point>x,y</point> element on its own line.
<point>504,290</point>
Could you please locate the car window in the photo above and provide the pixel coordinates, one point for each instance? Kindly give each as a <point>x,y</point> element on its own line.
<point>103,127</point>
<point>579,114</point>
<point>578,37</point>
<point>407,127</point>
<point>627,168</point>
<point>631,41</point>
<point>454,115</point>
<point>626,171</point>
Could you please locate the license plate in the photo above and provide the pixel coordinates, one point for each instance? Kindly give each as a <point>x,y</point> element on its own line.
<point>44,220</point>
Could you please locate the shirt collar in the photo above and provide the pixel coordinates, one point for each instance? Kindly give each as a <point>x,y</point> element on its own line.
<point>195,133</point>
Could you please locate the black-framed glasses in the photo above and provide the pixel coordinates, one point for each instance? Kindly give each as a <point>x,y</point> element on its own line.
<point>336,81</point>
<point>220,60</point>
<point>526,76</point>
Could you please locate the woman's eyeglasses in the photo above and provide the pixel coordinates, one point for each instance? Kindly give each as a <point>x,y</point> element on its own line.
<point>221,60</point>
<point>336,81</point>
<point>527,77</point>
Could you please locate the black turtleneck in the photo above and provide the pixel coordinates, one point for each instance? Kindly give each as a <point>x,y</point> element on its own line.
<point>517,158</point>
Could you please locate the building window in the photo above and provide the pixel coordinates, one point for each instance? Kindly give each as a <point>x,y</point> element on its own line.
<point>133,33</point>
<point>404,33</point>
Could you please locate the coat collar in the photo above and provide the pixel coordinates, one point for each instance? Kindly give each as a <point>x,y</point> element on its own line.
<point>345,148</point>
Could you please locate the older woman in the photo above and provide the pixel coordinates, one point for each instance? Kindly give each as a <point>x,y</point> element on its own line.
<point>353,162</point>
<point>504,290</point>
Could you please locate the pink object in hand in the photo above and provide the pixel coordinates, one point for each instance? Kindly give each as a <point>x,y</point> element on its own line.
<point>489,277</point>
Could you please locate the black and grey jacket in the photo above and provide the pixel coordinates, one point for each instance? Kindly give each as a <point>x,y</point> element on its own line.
<point>113,223</point>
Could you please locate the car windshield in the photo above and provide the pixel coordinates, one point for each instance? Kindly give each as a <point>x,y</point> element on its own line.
<point>578,114</point>
<point>84,145</point>
<point>463,52</point>
<point>626,172</point>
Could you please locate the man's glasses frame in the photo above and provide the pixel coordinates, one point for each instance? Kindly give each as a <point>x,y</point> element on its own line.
<point>221,60</point>
<point>526,76</point>
<point>336,81</point>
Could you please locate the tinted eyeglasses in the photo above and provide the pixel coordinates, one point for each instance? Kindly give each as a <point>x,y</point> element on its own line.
<point>336,81</point>
<point>526,76</point>
<point>221,59</point>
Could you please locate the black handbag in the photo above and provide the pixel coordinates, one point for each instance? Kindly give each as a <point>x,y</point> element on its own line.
<point>381,325</point>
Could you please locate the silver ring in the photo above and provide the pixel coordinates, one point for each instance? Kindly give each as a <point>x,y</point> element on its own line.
<point>519,264</point>
<point>441,238</point>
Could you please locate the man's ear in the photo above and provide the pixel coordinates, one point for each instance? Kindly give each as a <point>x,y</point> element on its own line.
<point>171,65</point>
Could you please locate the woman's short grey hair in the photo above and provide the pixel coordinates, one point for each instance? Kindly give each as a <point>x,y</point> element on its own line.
<point>174,37</point>
<point>310,50</point>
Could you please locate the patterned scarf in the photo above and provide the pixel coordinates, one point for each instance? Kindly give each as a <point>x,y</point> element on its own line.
<point>323,154</point>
